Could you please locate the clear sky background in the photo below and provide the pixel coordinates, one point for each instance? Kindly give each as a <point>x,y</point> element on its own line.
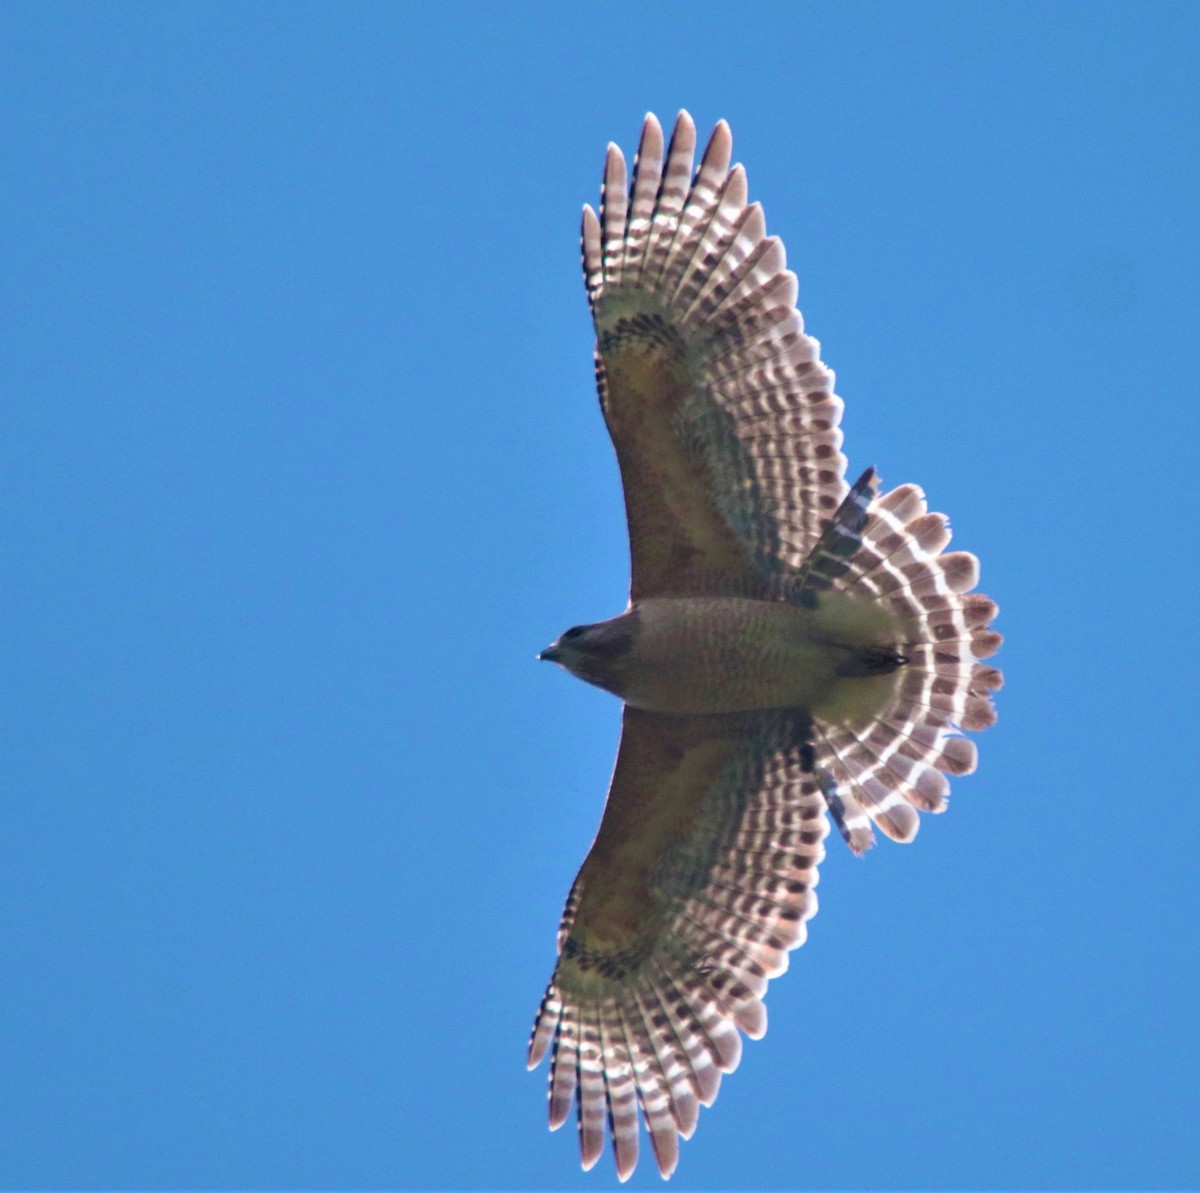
<point>300,465</point>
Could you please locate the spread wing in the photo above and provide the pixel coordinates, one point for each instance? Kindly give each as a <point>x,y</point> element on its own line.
<point>698,883</point>
<point>723,417</point>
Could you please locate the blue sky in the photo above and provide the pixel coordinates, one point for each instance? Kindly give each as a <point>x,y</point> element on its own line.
<point>300,464</point>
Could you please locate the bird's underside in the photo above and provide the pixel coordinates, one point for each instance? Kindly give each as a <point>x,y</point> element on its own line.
<point>699,655</point>
<point>796,649</point>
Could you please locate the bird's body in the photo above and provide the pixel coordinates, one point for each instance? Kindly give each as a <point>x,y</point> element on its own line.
<point>702,655</point>
<point>796,650</point>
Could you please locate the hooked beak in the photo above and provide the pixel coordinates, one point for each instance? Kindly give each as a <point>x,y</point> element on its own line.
<point>549,655</point>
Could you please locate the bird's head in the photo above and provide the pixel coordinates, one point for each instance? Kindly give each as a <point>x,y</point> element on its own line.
<point>595,653</point>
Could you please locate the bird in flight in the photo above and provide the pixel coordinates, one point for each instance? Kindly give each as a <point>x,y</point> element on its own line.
<point>796,650</point>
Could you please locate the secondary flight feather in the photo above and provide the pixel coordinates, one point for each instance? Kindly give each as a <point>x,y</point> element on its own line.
<point>796,650</point>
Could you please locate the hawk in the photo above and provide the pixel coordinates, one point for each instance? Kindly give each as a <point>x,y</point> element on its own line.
<point>796,650</point>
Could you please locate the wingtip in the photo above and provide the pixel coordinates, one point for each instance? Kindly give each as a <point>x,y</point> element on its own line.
<point>625,1165</point>
<point>685,126</point>
<point>650,145</point>
<point>719,151</point>
<point>666,1152</point>
<point>614,172</point>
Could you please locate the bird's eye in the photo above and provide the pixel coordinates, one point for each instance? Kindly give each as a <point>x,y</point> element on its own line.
<point>576,631</point>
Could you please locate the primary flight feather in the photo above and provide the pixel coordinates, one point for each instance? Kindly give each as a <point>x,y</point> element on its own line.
<point>795,649</point>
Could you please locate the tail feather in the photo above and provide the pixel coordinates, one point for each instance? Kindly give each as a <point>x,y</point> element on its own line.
<point>836,553</point>
<point>875,789</point>
<point>894,765</point>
